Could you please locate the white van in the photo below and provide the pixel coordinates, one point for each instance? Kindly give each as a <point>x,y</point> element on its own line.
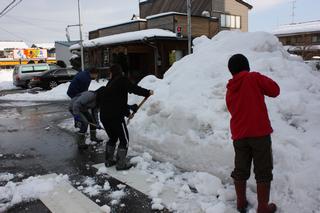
<point>22,74</point>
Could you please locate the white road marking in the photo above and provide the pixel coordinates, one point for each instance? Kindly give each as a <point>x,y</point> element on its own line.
<point>140,181</point>
<point>65,199</point>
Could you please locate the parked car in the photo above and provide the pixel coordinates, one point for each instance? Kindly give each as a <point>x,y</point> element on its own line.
<point>314,64</point>
<point>22,74</point>
<point>53,78</point>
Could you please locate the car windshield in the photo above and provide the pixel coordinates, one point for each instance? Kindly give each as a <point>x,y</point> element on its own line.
<point>41,68</point>
<point>27,69</point>
<point>37,68</point>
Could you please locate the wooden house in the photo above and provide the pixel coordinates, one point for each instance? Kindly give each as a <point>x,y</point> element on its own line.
<point>164,23</point>
<point>301,38</point>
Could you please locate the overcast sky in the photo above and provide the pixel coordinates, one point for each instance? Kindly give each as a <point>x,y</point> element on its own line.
<point>36,21</point>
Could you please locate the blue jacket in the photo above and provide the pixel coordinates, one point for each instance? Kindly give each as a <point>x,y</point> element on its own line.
<point>79,84</point>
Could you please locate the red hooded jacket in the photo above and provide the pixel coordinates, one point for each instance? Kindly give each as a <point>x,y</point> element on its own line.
<point>245,102</point>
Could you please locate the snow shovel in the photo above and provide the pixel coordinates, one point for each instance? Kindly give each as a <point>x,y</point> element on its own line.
<point>133,113</point>
<point>96,126</point>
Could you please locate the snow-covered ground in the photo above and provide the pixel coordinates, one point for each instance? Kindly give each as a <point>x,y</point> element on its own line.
<point>6,80</point>
<point>59,93</point>
<point>186,124</point>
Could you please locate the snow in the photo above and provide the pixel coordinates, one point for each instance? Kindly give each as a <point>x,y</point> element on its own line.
<point>125,37</point>
<point>164,14</point>
<point>6,176</point>
<point>304,27</point>
<point>6,80</point>
<point>45,45</point>
<point>12,45</point>
<point>27,190</point>
<point>185,124</point>
<point>58,93</point>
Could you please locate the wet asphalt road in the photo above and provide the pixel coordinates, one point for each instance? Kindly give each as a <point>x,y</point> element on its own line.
<point>32,144</point>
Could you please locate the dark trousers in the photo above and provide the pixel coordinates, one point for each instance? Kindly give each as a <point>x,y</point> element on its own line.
<point>84,125</point>
<point>259,151</point>
<point>116,129</point>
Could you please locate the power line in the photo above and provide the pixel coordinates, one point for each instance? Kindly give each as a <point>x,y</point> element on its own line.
<point>15,35</point>
<point>7,7</point>
<point>8,10</point>
<point>34,25</point>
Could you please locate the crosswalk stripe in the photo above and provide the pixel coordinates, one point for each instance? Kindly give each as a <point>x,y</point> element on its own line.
<point>65,199</point>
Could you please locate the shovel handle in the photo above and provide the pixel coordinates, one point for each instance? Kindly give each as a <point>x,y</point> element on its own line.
<point>139,105</point>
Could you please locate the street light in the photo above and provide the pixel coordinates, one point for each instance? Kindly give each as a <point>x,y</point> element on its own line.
<point>67,30</point>
<point>81,41</point>
<point>189,25</point>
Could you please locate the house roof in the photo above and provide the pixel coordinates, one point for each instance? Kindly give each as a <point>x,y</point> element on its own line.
<point>123,23</point>
<point>126,37</point>
<point>174,13</point>
<point>45,45</point>
<point>240,1</point>
<point>12,45</point>
<point>67,43</point>
<point>245,3</point>
<point>304,27</point>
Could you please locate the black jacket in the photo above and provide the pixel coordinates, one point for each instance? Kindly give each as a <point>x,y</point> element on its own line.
<point>113,98</point>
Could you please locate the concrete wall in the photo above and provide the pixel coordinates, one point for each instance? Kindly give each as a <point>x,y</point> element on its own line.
<point>63,53</point>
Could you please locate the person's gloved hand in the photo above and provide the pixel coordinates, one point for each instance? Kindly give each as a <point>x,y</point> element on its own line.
<point>134,108</point>
<point>77,118</point>
<point>77,121</point>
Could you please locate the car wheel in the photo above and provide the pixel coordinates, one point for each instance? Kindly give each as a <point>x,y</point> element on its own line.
<point>52,84</point>
<point>26,85</point>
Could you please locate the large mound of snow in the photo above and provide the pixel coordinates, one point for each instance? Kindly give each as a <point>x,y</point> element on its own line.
<point>186,122</point>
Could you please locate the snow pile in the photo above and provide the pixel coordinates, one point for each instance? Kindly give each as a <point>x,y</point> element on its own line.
<point>6,80</point>
<point>186,122</point>
<point>6,176</point>
<point>27,190</point>
<point>58,93</point>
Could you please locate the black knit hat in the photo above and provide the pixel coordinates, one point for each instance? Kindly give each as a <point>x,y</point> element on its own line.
<point>238,63</point>
<point>116,70</point>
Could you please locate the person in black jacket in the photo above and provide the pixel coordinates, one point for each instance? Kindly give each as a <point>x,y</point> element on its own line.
<point>112,101</point>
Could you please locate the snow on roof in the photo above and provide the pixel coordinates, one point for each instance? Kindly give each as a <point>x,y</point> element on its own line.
<point>312,26</point>
<point>164,14</point>
<point>12,44</point>
<point>45,45</point>
<point>127,22</point>
<point>125,37</point>
<point>172,13</point>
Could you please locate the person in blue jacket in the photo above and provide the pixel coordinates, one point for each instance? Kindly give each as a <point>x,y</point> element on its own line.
<point>80,83</point>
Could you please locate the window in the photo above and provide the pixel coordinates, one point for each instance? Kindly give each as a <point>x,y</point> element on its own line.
<point>316,38</point>
<point>105,58</point>
<point>40,68</point>
<point>27,69</point>
<point>230,21</point>
<point>72,72</point>
<point>60,72</point>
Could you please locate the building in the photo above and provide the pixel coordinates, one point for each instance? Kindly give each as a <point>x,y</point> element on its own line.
<point>51,51</point>
<point>62,51</point>
<point>7,47</point>
<point>233,14</point>
<point>301,38</point>
<point>152,42</point>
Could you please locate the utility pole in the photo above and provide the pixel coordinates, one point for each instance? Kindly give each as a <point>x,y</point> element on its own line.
<point>293,8</point>
<point>189,25</point>
<point>81,40</point>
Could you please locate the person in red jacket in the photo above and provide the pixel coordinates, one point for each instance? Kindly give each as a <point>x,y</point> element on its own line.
<point>250,129</point>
